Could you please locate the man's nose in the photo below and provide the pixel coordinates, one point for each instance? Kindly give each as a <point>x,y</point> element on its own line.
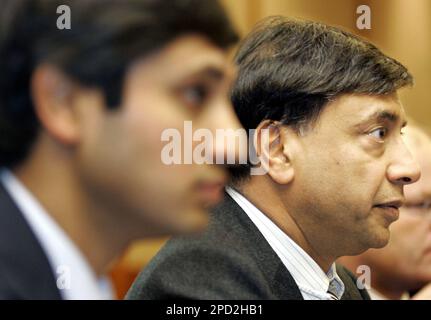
<point>404,168</point>
<point>231,137</point>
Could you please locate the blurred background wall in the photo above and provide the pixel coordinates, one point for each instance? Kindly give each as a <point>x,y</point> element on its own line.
<point>401,28</point>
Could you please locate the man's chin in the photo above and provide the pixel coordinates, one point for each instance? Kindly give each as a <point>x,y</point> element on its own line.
<point>380,238</point>
<point>192,222</point>
<point>188,222</point>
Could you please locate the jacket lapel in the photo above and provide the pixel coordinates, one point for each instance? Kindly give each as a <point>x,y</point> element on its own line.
<point>23,264</point>
<point>278,277</point>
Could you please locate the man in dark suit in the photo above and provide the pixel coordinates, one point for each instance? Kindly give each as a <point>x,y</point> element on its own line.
<point>86,90</point>
<point>231,260</point>
<point>25,272</point>
<point>326,121</point>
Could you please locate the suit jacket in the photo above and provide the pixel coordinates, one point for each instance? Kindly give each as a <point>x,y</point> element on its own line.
<point>25,272</point>
<point>230,260</point>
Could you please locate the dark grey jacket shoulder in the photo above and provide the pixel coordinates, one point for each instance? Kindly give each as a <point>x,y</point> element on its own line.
<point>230,260</point>
<point>25,272</point>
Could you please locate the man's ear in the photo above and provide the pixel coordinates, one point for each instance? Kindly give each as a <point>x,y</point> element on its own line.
<point>52,94</point>
<point>271,148</point>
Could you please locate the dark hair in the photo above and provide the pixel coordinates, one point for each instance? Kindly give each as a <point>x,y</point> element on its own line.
<point>105,37</point>
<point>289,69</point>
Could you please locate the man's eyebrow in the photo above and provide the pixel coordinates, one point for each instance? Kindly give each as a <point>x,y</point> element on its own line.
<point>384,115</point>
<point>209,72</point>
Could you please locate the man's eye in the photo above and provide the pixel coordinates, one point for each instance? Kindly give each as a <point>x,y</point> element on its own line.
<point>379,133</point>
<point>195,95</point>
<point>423,205</point>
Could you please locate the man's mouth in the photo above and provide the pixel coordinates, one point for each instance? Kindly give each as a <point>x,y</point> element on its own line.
<point>396,204</point>
<point>390,209</point>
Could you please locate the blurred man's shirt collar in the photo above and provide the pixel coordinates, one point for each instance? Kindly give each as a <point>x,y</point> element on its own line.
<point>75,277</point>
<point>312,281</point>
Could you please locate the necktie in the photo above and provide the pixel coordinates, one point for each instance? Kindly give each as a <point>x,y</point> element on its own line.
<point>332,290</point>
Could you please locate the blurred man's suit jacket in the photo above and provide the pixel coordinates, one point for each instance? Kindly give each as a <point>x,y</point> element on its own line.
<point>25,272</point>
<point>230,260</point>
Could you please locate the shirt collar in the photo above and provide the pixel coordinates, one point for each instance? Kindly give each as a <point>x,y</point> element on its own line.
<point>312,281</point>
<point>75,277</point>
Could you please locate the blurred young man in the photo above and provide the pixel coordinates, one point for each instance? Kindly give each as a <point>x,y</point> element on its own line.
<point>336,167</point>
<point>404,265</point>
<point>82,112</point>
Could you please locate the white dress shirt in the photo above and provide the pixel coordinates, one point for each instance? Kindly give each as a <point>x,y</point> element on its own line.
<point>75,278</point>
<point>310,278</point>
